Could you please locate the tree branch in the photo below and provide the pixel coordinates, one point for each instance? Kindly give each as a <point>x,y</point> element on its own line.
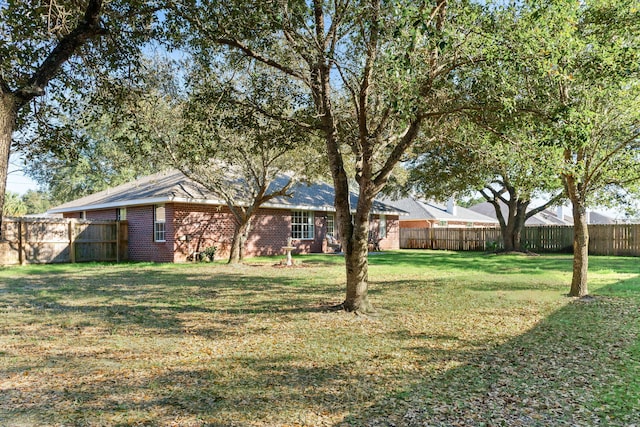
<point>4,87</point>
<point>258,57</point>
<point>539,209</point>
<point>609,155</point>
<point>496,205</point>
<point>406,140</point>
<point>89,27</point>
<point>266,113</point>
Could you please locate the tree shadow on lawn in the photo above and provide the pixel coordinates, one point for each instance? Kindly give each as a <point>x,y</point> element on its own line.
<point>474,261</point>
<point>188,397</point>
<point>560,370</point>
<point>491,285</point>
<point>161,301</point>
<point>576,367</point>
<point>499,264</point>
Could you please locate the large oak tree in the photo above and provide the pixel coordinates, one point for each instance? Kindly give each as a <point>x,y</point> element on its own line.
<point>501,158</point>
<point>583,72</point>
<point>375,73</point>
<point>592,75</point>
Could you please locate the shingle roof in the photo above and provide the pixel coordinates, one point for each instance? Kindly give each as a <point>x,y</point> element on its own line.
<point>543,218</point>
<point>425,210</point>
<point>173,186</point>
<point>546,217</point>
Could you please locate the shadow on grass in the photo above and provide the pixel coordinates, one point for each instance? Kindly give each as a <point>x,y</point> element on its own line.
<point>572,368</point>
<point>158,300</point>
<point>498,264</point>
<point>578,366</point>
<point>193,395</point>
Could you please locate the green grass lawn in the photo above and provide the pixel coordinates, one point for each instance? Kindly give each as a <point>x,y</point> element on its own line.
<point>461,339</point>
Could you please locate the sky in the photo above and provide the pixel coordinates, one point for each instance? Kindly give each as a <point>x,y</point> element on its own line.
<point>17,182</point>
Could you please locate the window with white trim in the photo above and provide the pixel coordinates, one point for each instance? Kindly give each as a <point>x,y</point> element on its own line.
<point>159,231</point>
<point>382,227</point>
<point>302,225</point>
<point>121,214</point>
<point>331,225</point>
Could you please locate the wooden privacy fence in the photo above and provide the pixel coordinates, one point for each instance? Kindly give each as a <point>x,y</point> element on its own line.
<point>44,240</point>
<point>453,239</point>
<point>605,239</point>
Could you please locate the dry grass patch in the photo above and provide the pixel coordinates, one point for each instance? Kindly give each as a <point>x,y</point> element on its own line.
<point>459,337</point>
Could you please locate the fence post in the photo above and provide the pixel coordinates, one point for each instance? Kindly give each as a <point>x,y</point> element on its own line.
<point>21,254</point>
<point>118,243</point>
<point>72,240</point>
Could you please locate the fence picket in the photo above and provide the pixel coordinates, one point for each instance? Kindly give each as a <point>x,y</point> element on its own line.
<point>604,239</point>
<point>45,240</point>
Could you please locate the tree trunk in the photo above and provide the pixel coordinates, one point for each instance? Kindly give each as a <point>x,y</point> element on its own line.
<point>575,190</point>
<point>518,224</point>
<point>507,236</point>
<point>512,227</point>
<point>8,112</point>
<point>240,234</point>
<point>580,250</point>
<point>356,253</point>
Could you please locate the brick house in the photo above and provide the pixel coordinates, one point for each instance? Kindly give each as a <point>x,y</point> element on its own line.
<point>170,217</point>
<point>427,214</point>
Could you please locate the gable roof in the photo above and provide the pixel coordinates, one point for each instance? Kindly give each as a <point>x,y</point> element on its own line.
<point>174,187</point>
<point>426,210</point>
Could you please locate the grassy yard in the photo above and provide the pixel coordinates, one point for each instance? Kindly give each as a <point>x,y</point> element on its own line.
<point>461,339</point>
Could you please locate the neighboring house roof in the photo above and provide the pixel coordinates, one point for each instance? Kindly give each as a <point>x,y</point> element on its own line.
<point>598,218</point>
<point>424,210</point>
<point>561,216</point>
<point>174,187</point>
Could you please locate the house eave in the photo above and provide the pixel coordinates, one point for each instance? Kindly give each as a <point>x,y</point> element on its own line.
<point>440,219</point>
<point>109,205</point>
<point>171,199</point>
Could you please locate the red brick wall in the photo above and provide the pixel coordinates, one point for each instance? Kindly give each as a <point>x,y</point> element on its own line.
<point>392,240</point>
<point>415,223</point>
<point>106,214</point>
<point>270,229</point>
<point>211,225</point>
<point>190,228</point>
<point>142,246</point>
<point>200,226</point>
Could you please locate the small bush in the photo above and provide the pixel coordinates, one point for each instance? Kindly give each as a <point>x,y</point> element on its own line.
<point>208,253</point>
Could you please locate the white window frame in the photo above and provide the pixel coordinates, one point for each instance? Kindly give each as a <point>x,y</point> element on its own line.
<point>331,225</point>
<point>159,224</point>
<point>382,226</point>
<point>122,214</point>
<point>302,225</point>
